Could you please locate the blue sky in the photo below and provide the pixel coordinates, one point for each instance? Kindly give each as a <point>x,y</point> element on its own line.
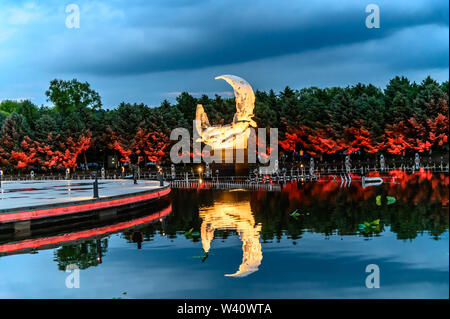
<point>149,50</point>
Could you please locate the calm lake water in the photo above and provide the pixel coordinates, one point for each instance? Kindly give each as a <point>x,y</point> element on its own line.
<point>247,244</point>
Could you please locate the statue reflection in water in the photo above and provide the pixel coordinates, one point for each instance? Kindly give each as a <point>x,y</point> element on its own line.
<point>234,216</point>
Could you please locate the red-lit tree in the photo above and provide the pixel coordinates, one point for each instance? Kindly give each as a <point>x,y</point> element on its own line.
<point>151,144</point>
<point>119,144</point>
<point>315,142</point>
<point>358,138</point>
<point>26,156</point>
<point>296,138</point>
<point>439,128</point>
<point>324,141</point>
<point>396,140</point>
<point>67,151</point>
<point>418,133</point>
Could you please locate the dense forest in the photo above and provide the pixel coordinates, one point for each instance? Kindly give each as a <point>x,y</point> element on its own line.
<point>404,118</point>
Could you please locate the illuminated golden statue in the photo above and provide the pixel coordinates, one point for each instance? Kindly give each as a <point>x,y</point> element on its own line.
<point>234,135</point>
<point>239,217</point>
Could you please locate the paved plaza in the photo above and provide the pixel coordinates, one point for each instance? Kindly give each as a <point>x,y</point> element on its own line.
<point>15,194</point>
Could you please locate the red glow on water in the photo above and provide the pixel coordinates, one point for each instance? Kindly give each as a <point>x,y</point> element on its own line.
<point>406,187</point>
<point>35,243</point>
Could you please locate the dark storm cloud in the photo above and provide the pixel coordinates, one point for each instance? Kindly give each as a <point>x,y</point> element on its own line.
<point>147,50</point>
<point>200,34</point>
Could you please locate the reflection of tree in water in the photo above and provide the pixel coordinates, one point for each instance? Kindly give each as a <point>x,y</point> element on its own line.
<point>141,234</point>
<point>185,207</point>
<point>84,255</point>
<point>422,206</point>
<point>326,208</point>
<point>209,212</point>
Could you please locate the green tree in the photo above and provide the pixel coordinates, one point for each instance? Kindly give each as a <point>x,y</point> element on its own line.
<point>3,117</point>
<point>8,106</point>
<point>67,95</point>
<point>289,110</point>
<point>187,104</point>
<point>16,127</point>
<point>29,111</point>
<point>171,116</point>
<point>265,116</point>
<point>46,125</point>
<point>312,108</point>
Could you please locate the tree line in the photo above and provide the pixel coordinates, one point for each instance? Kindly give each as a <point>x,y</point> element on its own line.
<point>404,117</point>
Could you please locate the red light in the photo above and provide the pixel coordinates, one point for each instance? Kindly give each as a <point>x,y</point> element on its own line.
<point>34,243</point>
<point>79,208</point>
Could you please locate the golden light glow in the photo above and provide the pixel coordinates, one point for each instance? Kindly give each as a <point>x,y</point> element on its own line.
<point>236,216</point>
<point>236,134</point>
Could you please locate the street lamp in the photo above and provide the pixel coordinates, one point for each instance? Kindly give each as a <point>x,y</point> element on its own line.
<point>200,170</point>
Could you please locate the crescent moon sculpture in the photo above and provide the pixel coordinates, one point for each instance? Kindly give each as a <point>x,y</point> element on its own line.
<point>225,136</point>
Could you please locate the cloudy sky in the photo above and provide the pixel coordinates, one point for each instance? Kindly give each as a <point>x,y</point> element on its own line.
<point>150,50</point>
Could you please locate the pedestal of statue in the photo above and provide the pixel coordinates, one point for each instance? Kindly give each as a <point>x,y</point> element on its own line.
<point>234,163</point>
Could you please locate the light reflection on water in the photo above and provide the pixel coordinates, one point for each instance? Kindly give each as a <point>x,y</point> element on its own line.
<point>320,254</point>
<point>237,216</point>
